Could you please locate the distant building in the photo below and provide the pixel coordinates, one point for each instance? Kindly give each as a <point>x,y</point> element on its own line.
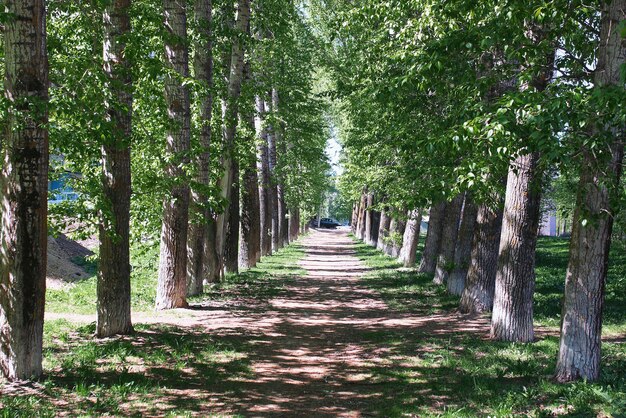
<point>548,225</point>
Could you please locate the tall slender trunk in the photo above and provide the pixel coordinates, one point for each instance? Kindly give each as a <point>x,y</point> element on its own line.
<point>480,283</point>
<point>250,239</point>
<point>281,149</point>
<point>200,214</point>
<point>355,217</point>
<point>230,112</point>
<point>371,237</point>
<point>24,191</point>
<point>433,238</point>
<point>449,234</point>
<point>274,211</point>
<point>360,229</point>
<point>512,318</point>
<point>172,281</point>
<point>411,238</point>
<point>383,229</point>
<point>294,224</point>
<point>231,245</point>
<point>396,230</point>
<point>113,286</point>
<point>463,250</point>
<point>265,191</point>
<point>581,323</point>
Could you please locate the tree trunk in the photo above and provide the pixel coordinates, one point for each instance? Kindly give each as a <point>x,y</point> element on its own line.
<point>24,191</point>
<point>281,148</point>
<point>294,224</point>
<point>113,286</point>
<point>480,283</point>
<point>463,251</point>
<point>265,191</point>
<point>197,241</point>
<point>274,209</point>
<point>250,240</point>
<point>433,238</point>
<point>383,229</point>
<point>411,238</point>
<point>360,229</point>
<point>355,217</point>
<point>230,112</point>
<point>396,230</point>
<point>231,247</point>
<point>512,318</point>
<point>172,281</point>
<point>449,234</point>
<point>581,323</point>
<point>369,222</point>
<point>212,268</point>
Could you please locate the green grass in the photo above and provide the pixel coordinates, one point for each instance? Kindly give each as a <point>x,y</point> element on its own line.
<point>137,375</point>
<point>80,298</point>
<point>465,375</point>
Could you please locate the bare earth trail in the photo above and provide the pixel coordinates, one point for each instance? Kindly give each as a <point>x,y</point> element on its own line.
<point>310,350</point>
<point>312,346</point>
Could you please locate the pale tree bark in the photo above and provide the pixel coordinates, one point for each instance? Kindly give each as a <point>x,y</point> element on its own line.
<point>396,230</point>
<point>172,280</point>
<point>463,250</point>
<point>281,148</point>
<point>355,217</point>
<point>250,235</point>
<point>512,318</point>
<point>411,238</point>
<point>24,191</point>
<point>480,282</point>
<point>371,226</point>
<point>263,167</point>
<point>231,245</point>
<point>294,224</point>
<point>433,238</point>
<point>449,234</point>
<point>360,229</point>
<point>113,285</point>
<point>383,229</point>
<point>200,213</point>
<point>581,322</point>
<point>274,198</point>
<point>230,111</point>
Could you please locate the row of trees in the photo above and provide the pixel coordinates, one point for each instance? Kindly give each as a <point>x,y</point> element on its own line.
<point>207,108</point>
<point>473,109</point>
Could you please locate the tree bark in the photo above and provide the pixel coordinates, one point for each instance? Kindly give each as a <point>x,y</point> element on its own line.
<point>480,283</point>
<point>250,240</point>
<point>231,247</point>
<point>512,318</point>
<point>172,281</point>
<point>371,237</point>
<point>294,224</point>
<point>449,235</point>
<point>281,148</point>
<point>396,230</point>
<point>463,250</point>
<point>355,217</point>
<point>271,137</point>
<point>200,213</point>
<point>360,230</point>
<point>24,191</point>
<point>433,239</point>
<point>581,323</point>
<point>265,191</point>
<point>411,238</point>
<point>230,113</point>
<point>113,285</point>
<point>383,229</point>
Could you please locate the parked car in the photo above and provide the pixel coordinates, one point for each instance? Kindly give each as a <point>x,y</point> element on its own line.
<point>329,223</point>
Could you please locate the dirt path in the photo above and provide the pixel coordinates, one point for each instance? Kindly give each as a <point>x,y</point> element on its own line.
<point>316,350</point>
